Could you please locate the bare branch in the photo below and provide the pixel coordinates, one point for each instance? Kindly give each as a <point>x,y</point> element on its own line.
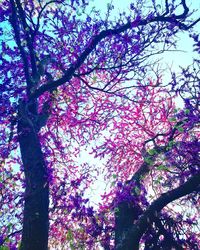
<point>28,37</point>
<point>15,25</point>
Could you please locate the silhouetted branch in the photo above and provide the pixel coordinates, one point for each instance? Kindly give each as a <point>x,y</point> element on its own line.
<point>175,19</point>
<point>133,236</point>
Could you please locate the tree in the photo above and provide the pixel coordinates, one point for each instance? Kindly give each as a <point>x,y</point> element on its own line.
<point>164,170</point>
<point>68,74</point>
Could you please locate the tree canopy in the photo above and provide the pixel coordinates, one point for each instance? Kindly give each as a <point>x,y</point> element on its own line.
<point>75,79</point>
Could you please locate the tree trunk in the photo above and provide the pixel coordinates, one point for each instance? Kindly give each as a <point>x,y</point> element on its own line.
<point>35,220</point>
<point>125,216</point>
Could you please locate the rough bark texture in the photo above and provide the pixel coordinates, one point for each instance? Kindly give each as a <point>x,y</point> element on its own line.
<point>35,220</point>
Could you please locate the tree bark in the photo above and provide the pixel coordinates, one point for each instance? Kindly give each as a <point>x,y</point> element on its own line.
<point>125,216</point>
<point>35,220</point>
<point>132,236</point>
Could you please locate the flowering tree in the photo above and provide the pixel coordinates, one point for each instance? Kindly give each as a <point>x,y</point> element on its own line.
<point>155,152</point>
<point>70,75</point>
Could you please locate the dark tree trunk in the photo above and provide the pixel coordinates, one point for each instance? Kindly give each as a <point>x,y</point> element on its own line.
<point>35,220</point>
<point>125,216</point>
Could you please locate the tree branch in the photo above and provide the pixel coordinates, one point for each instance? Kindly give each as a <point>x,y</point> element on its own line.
<point>15,25</point>
<point>103,34</point>
<point>133,236</point>
<point>28,37</point>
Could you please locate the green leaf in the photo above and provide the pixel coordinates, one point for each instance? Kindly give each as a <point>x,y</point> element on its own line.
<point>4,248</point>
<point>65,211</point>
<point>187,111</point>
<point>180,129</point>
<point>113,184</point>
<point>9,227</point>
<point>69,235</point>
<point>171,143</point>
<point>176,110</point>
<point>152,151</point>
<point>142,177</point>
<point>94,78</point>
<point>18,244</point>
<point>148,160</point>
<point>172,119</point>
<point>72,246</point>
<point>137,190</point>
<point>162,167</point>
<point>157,181</point>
